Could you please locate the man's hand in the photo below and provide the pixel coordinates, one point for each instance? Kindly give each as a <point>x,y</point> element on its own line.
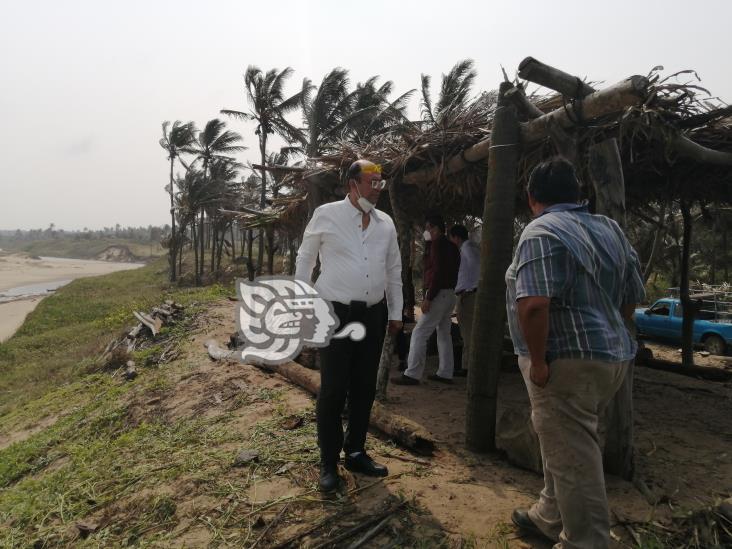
<point>426,304</point>
<point>395,326</point>
<point>539,373</point>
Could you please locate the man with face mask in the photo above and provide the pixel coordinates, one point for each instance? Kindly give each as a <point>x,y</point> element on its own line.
<point>359,265</point>
<point>440,276</point>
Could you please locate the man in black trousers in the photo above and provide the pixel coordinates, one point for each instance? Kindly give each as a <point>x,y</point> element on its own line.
<point>360,265</point>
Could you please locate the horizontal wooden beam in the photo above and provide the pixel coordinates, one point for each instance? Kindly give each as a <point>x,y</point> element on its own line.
<point>279,167</point>
<point>611,100</point>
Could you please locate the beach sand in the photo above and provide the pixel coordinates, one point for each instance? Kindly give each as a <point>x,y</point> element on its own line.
<point>20,270</point>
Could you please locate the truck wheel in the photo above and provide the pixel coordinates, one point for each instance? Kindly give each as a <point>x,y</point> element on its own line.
<point>714,344</point>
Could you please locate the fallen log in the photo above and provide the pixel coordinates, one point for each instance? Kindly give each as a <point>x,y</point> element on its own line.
<point>403,430</point>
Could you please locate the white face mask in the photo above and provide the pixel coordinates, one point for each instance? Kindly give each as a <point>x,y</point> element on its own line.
<point>365,205</point>
<point>427,235</point>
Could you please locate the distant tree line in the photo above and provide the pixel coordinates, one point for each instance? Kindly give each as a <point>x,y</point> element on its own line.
<point>140,234</point>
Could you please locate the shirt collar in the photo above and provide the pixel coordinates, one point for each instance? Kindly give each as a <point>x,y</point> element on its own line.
<point>565,207</point>
<point>356,212</point>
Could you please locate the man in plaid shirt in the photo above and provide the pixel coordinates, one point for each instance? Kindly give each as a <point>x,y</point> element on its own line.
<point>574,281</point>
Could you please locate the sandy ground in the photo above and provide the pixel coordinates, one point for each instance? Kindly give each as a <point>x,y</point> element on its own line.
<point>20,270</point>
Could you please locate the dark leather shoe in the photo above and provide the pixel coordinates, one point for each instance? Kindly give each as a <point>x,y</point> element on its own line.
<point>435,377</point>
<point>520,517</point>
<point>404,380</point>
<point>460,372</point>
<point>362,463</point>
<point>329,479</point>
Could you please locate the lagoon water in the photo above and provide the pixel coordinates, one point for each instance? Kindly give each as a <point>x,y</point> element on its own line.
<point>24,281</point>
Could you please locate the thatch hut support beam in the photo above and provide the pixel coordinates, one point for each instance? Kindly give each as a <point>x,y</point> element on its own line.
<point>611,100</point>
<point>606,174</point>
<point>278,168</point>
<point>490,307</point>
<point>683,146</point>
<point>537,72</point>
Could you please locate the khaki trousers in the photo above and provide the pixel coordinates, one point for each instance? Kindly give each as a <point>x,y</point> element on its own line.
<point>572,508</point>
<point>465,312</point>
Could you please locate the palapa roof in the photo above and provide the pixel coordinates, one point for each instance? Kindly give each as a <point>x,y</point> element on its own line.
<point>416,156</point>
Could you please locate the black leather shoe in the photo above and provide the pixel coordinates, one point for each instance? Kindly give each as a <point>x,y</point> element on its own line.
<point>435,377</point>
<point>460,372</point>
<point>329,479</point>
<point>520,517</point>
<point>362,463</point>
<point>404,380</point>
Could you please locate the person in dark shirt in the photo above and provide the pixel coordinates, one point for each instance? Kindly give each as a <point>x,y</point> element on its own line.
<point>440,276</point>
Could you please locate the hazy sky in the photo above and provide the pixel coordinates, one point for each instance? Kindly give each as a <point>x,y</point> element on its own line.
<point>87,84</point>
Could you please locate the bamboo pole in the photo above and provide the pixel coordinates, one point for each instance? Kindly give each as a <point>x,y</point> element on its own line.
<point>490,306</point>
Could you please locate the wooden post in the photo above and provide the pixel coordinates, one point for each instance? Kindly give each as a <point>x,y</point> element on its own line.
<point>385,362</point>
<point>606,173</point>
<point>406,237</point>
<point>490,304</point>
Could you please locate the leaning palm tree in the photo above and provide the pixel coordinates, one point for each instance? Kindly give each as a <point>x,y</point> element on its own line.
<point>454,95</point>
<point>266,96</point>
<point>379,113</point>
<point>211,143</point>
<point>174,142</point>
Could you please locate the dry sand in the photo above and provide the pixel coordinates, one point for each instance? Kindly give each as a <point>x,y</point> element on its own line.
<point>18,270</point>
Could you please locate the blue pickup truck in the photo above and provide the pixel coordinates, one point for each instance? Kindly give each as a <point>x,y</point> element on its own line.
<point>663,320</point>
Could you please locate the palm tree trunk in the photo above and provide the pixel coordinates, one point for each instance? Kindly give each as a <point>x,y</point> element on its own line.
<point>201,240</point>
<point>687,324</point>
<point>262,197</point>
<point>196,272</point>
<point>657,240</point>
<point>213,236</point>
<point>490,305</point>
<point>173,237</point>
<point>233,241</point>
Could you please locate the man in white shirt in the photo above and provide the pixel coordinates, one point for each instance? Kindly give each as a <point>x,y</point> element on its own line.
<point>465,289</point>
<point>359,264</point>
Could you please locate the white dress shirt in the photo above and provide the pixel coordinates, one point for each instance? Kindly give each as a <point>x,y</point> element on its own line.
<point>355,264</point>
<point>469,272</point>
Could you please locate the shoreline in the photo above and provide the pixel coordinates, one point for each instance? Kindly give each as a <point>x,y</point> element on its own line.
<point>24,282</point>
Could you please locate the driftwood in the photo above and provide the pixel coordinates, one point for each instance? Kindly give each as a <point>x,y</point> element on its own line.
<point>401,429</point>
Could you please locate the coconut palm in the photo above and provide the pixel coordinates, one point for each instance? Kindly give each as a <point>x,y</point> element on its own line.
<point>174,142</point>
<point>454,97</point>
<point>380,115</point>
<point>266,96</point>
<point>212,143</point>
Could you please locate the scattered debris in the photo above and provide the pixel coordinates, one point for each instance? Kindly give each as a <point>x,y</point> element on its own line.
<point>130,371</point>
<point>245,457</point>
<point>118,352</point>
<point>86,528</point>
<point>291,422</point>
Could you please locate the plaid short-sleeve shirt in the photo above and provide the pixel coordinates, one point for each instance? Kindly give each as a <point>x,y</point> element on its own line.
<point>586,265</point>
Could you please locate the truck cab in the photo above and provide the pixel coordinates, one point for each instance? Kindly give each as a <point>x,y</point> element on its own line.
<point>664,318</point>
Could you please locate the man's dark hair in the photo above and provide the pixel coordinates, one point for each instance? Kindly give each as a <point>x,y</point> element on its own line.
<point>436,221</point>
<point>459,231</point>
<point>554,182</point>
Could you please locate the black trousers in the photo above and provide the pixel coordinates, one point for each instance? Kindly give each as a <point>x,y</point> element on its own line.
<point>349,368</point>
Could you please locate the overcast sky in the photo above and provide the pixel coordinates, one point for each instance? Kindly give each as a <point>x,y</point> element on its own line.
<point>87,84</point>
